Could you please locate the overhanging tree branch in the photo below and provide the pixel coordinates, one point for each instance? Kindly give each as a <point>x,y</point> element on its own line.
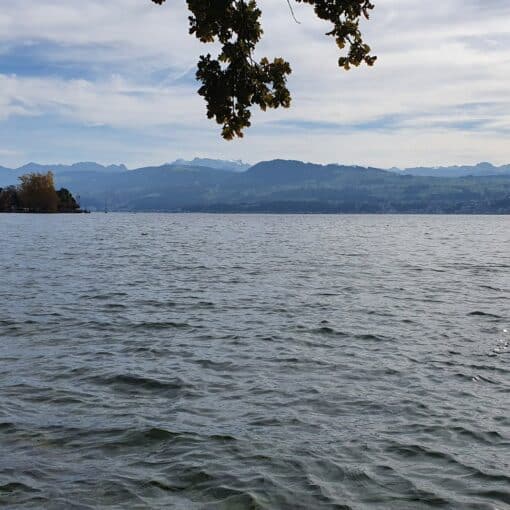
<point>233,82</point>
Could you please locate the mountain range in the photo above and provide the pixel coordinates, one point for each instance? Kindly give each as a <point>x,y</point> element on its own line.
<point>219,164</point>
<point>281,186</point>
<point>480,170</point>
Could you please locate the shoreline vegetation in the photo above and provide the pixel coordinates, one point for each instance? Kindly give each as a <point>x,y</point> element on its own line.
<point>36,193</point>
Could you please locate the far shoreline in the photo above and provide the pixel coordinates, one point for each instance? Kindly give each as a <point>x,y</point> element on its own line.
<point>46,212</point>
<point>287,213</point>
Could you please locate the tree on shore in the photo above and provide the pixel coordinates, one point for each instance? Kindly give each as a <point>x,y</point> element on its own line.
<point>36,193</point>
<point>66,201</point>
<point>233,82</point>
<point>9,199</point>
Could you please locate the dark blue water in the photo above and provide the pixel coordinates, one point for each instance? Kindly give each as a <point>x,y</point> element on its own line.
<point>254,362</point>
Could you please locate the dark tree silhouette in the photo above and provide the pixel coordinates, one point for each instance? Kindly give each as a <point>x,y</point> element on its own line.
<point>9,199</point>
<point>233,81</point>
<point>66,201</point>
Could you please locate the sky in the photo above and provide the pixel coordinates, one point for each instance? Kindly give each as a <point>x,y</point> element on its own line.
<point>113,82</point>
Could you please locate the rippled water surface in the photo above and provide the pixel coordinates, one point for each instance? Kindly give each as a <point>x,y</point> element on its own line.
<point>253,362</point>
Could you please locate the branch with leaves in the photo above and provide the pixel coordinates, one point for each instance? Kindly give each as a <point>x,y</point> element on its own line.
<point>233,81</point>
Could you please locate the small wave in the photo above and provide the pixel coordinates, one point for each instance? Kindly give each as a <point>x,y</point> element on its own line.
<point>115,306</point>
<point>371,336</point>
<point>156,303</point>
<point>114,438</point>
<point>161,325</point>
<point>145,381</point>
<point>490,437</point>
<point>158,434</point>
<point>131,382</point>
<point>273,421</point>
<point>228,497</point>
<point>478,313</point>
<point>416,450</point>
<point>215,365</point>
<point>17,324</point>
<point>205,304</point>
<point>490,287</point>
<point>474,378</point>
<point>16,487</point>
<point>101,297</point>
<point>328,331</point>
<point>499,495</point>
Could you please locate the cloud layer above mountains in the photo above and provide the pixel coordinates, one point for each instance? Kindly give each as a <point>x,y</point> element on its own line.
<point>114,81</point>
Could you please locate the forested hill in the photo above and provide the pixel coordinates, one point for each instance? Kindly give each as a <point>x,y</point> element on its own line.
<point>286,186</point>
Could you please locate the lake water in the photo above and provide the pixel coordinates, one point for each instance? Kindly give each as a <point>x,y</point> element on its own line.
<point>254,362</point>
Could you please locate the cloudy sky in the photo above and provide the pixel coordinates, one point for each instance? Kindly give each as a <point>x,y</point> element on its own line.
<point>114,82</point>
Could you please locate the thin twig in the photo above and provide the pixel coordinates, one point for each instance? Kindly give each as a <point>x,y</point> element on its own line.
<point>292,12</point>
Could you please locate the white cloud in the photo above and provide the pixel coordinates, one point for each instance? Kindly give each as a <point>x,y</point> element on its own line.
<point>114,102</point>
<point>442,76</point>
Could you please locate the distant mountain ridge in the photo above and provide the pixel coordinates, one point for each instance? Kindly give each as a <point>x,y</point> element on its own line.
<point>282,186</point>
<point>219,164</point>
<point>481,169</point>
<point>9,176</point>
<point>77,167</point>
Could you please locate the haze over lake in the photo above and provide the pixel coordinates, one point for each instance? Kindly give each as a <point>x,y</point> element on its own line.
<point>254,361</point>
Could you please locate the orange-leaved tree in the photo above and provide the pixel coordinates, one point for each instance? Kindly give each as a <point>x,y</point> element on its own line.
<point>37,192</point>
